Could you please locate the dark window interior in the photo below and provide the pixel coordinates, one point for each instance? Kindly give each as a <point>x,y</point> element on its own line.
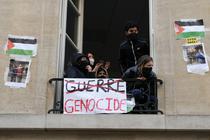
<point>104,21</point>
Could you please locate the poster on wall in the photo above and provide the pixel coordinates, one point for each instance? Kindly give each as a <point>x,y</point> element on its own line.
<point>17,73</point>
<point>21,45</point>
<point>91,96</point>
<point>195,56</point>
<point>187,28</point>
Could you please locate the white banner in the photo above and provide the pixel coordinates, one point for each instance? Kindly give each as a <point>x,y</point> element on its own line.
<point>91,96</point>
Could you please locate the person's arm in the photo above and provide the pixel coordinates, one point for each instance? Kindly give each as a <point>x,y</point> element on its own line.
<point>70,73</point>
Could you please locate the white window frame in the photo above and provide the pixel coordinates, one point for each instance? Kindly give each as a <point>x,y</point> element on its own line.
<point>63,35</point>
<point>152,33</point>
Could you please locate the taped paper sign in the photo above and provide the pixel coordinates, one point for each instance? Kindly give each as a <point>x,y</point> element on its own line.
<point>189,28</point>
<point>192,40</point>
<point>90,96</point>
<point>195,57</point>
<point>17,73</point>
<point>21,45</point>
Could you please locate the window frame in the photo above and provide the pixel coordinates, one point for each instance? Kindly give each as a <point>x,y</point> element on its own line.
<point>63,35</point>
<point>79,42</point>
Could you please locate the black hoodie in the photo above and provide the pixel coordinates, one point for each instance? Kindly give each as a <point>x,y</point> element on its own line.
<point>75,70</point>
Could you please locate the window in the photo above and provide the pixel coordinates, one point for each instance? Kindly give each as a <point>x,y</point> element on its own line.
<point>103,28</point>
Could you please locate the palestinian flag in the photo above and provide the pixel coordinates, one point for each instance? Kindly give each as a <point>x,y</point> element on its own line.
<point>21,45</point>
<point>189,28</point>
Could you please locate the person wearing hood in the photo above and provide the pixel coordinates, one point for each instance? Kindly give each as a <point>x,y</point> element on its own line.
<point>132,48</point>
<point>80,67</point>
<point>141,80</point>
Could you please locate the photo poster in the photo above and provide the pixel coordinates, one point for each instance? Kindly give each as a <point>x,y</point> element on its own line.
<point>195,56</point>
<point>17,73</point>
<point>93,96</point>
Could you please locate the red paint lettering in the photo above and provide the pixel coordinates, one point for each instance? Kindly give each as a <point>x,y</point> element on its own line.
<point>122,103</point>
<point>68,106</point>
<point>116,104</point>
<point>97,104</point>
<point>108,107</point>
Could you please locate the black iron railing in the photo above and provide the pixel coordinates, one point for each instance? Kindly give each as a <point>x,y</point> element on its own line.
<point>149,94</point>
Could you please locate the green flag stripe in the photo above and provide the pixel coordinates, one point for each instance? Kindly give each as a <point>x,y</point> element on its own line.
<point>190,34</point>
<point>19,52</point>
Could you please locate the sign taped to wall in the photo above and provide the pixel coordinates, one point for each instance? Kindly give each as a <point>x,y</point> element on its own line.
<point>195,56</point>
<point>21,45</point>
<point>91,96</point>
<point>17,73</point>
<point>187,28</point>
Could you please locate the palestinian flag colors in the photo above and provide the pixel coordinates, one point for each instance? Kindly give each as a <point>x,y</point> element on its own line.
<point>189,28</point>
<point>21,45</point>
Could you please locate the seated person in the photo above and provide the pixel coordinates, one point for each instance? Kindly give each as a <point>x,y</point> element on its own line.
<point>80,67</point>
<point>141,80</point>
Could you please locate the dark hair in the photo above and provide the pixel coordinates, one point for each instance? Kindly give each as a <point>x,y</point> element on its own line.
<point>144,59</point>
<point>101,69</point>
<point>12,60</point>
<point>131,24</point>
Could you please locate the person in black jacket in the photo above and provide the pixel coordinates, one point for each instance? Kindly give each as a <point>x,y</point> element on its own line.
<point>141,81</point>
<point>132,48</point>
<point>80,67</point>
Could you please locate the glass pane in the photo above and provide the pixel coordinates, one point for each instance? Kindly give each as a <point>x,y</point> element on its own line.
<point>72,24</point>
<point>76,2</point>
<point>69,50</point>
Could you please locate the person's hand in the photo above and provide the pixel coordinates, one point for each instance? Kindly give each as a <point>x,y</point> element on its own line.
<point>89,68</point>
<point>97,66</point>
<point>141,78</point>
<point>107,65</point>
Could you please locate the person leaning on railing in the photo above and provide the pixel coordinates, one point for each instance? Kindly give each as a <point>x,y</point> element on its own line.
<point>140,80</point>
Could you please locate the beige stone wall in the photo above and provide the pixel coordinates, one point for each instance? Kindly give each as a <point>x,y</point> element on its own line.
<point>183,93</point>
<point>38,18</point>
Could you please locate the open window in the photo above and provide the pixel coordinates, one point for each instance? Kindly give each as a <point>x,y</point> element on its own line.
<point>97,26</point>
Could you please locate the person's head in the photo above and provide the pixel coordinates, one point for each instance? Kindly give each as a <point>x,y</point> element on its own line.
<point>83,62</point>
<point>12,60</point>
<point>101,73</point>
<point>131,30</point>
<point>79,60</point>
<point>145,65</point>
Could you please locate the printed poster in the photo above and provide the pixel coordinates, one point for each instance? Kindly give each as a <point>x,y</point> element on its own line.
<point>195,56</point>
<point>18,72</point>
<point>187,28</point>
<point>21,45</point>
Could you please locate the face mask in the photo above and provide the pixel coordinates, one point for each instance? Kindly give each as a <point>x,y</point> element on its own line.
<point>91,61</point>
<point>146,71</point>
<point>133,36</point>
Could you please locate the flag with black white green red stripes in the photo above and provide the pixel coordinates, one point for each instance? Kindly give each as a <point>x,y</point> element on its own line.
<point>21,45</point>
<point>187,28</point>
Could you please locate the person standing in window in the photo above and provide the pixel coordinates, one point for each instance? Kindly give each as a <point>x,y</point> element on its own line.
<point>133,47</point>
